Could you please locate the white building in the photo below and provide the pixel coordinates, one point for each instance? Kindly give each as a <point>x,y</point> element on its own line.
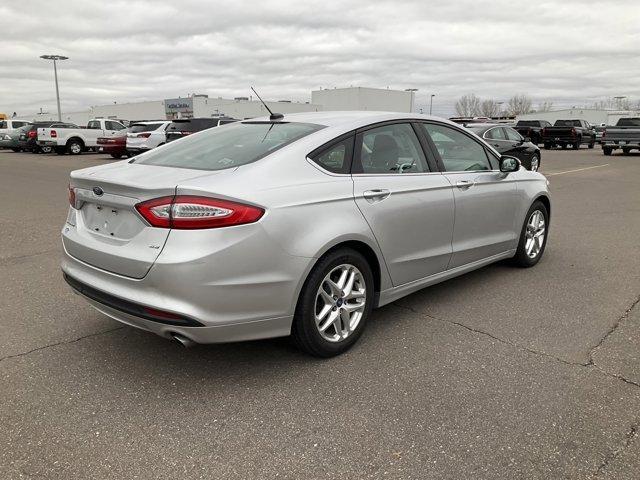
<point>361,98</point>
<point>591,115</point>
<point>352,98</point>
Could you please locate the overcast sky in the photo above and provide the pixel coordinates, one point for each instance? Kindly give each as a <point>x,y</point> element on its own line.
<point>569,52</point>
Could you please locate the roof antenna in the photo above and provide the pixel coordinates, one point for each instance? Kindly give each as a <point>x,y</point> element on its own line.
<point>272,116</point>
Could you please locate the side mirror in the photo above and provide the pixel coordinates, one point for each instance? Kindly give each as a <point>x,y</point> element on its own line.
<point>509,164</point>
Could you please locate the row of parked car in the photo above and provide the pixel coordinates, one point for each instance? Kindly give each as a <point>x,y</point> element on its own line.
<point>113,136</point>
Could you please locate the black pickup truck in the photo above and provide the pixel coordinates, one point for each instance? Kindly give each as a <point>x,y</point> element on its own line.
<point>625,135</point>
<point>569,132</point>
<point>531,129</point>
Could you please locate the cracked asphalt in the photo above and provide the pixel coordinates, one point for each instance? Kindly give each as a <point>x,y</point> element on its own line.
<point>502,373</point>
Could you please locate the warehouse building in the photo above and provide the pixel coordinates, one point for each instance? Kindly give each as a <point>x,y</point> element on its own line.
<point>201,105</point>
<point>591,115</point>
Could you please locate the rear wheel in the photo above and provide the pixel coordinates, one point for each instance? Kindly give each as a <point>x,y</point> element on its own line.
<point>535,163</point>
<point>46,149</point>
<point>576,145</point>
<point>533,236</point>
<point>547,146</point>
<point>564,146</point>
<point>16,149</point>
<point>607,150</point>
<point>592,144</point>
<point>75,147</point>
<point>116,155</point>
<point>334,305</point>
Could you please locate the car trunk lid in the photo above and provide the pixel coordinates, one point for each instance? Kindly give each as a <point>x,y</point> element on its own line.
<point>105,230</point>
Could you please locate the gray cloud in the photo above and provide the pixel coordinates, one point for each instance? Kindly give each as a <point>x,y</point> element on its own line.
<point>570,52</point>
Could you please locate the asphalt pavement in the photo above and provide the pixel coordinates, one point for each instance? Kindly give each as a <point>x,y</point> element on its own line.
<point>502,373</point>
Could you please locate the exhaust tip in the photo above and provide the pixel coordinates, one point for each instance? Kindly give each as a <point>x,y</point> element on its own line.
<point>182,340</point>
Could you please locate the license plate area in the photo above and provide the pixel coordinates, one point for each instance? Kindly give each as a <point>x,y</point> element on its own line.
<point>110,221</point>
<point>557,138</point>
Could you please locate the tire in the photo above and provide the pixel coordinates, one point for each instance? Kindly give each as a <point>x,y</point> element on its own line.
<point>564,146</point>
<point>576,145</point>
<point>75,147</point>
<point>547,146</point>
<point>116,155</point>
<point>46,149</point>
<point>305,332</point>
<point>534,163</point>
<point>607,150</point>
<point>17,150</point>
<point>626,151</point>
<point>60,150</point>
<point>523,257</point>
<point>592,144</point>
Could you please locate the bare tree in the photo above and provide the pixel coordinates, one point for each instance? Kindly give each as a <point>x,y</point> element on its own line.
<point>519,104</point>
<point>489,108</point>
<point>468,106</point>
<point>545,106</point>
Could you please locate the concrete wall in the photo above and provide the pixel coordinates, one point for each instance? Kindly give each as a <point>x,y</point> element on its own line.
<point>153,110</point>
<point>595,117</point>
<point>361,98</point>
<point>207,107</point>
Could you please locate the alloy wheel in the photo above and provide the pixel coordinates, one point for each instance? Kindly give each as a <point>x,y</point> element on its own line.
<point>535,163</point>
<point>534,234</point>
<point>340,302</point>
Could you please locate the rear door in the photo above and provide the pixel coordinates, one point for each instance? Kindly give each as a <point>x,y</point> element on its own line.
<point>497,138</point>
<point>406,201</point>
<point>485,198</point>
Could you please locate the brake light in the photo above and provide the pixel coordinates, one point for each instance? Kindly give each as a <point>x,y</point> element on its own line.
<point>72,196</point>
<point>544,130</point>
<point>32,134</point>
<point>573,132</point>
<point>54,134</point>
<point>185,133</point>
<point>604,133</point>
<point>187,212</point>
<point>143,135</point>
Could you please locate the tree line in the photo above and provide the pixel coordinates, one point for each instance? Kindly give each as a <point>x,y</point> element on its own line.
<point>471,105</point>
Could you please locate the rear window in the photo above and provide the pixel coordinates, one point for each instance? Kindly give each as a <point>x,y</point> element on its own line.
<point>629,122</point>
<point>229,146</point>
<point>193,125</point>
<point>567,123</point>
<point>140,127</point>
<point>527,123</point>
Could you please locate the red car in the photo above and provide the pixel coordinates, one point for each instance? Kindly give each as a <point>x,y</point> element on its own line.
<point>114,146</point>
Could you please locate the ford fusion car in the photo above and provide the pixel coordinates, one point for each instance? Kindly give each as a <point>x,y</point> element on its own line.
<point>295,226</point>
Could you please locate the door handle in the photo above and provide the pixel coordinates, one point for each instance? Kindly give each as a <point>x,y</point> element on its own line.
<point>464,184</point>
<point>376,195</point>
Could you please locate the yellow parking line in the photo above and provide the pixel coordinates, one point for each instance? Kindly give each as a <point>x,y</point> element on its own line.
<point>576,170</point>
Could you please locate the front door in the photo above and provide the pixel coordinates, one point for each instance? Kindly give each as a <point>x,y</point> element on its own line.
<point>485,198</point>
<point>407,203</point>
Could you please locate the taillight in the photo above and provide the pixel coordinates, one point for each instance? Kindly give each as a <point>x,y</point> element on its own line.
<point>191,212</point>
<point>544,130</point>
<point>54,134</point>
<point>573,132</point>
<point>143,135</point>
<point>32,134</point>
<point>185,133</point>
<point>72,196</point>
<point>604,133</point>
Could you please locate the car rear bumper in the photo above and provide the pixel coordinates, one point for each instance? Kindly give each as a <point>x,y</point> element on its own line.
<point>621,143</point>
<point>47,143</point>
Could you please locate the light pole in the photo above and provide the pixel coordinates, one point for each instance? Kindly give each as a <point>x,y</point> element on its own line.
<point>413,95</point>
<point>55,58</point>
<point>431,103</point>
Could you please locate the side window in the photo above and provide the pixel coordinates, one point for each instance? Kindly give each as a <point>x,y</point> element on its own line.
<point>458,151</point>
<point>18,124</point>
<point>94,125</point>
<point>495,134</point>
<point>391,149</point>
<point>113,125</point>
<point>3,124</point>
<point>336,158</point>
<point>513,135</point>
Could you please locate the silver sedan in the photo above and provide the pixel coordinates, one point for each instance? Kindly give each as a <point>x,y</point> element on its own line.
<point>297,226</point>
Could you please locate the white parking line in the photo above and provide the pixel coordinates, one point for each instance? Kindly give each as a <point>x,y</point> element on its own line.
<point>576,170</point>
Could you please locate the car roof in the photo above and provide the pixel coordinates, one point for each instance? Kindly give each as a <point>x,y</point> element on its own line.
<point>351,119</point>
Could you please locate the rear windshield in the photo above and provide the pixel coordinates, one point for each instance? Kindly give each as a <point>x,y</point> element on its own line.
<point>629,122</point>
<point>140,127</point>
<point>567,123</point>
<point>228,146</point>
<point>193,125</point>
<point>528,123</point>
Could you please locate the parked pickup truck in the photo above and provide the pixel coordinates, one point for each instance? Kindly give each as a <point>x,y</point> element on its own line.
<point>78,140</point>
<point>625,135</point>
<point>569,132</point>
<point>531,129</point>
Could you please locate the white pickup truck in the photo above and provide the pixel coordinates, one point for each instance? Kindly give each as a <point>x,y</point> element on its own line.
<point>77,140</point>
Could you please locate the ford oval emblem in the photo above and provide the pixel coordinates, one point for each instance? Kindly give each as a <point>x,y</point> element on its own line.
<point>98,191</point>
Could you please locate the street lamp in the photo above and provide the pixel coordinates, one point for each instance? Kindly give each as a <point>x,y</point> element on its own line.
<point>413,95</point>
<point>55,58</point>
<point>431,103</point>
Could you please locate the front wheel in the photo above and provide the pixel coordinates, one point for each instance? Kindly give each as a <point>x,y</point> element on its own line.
<point>334,305</point>
<point>576,145</point>
<point>75,147</point>
<point>116,155</point>
<point>592,144</point>
<point>607,150</point>
<point>626,151</point>
<point>533,236</point>
<point>535,163</point>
